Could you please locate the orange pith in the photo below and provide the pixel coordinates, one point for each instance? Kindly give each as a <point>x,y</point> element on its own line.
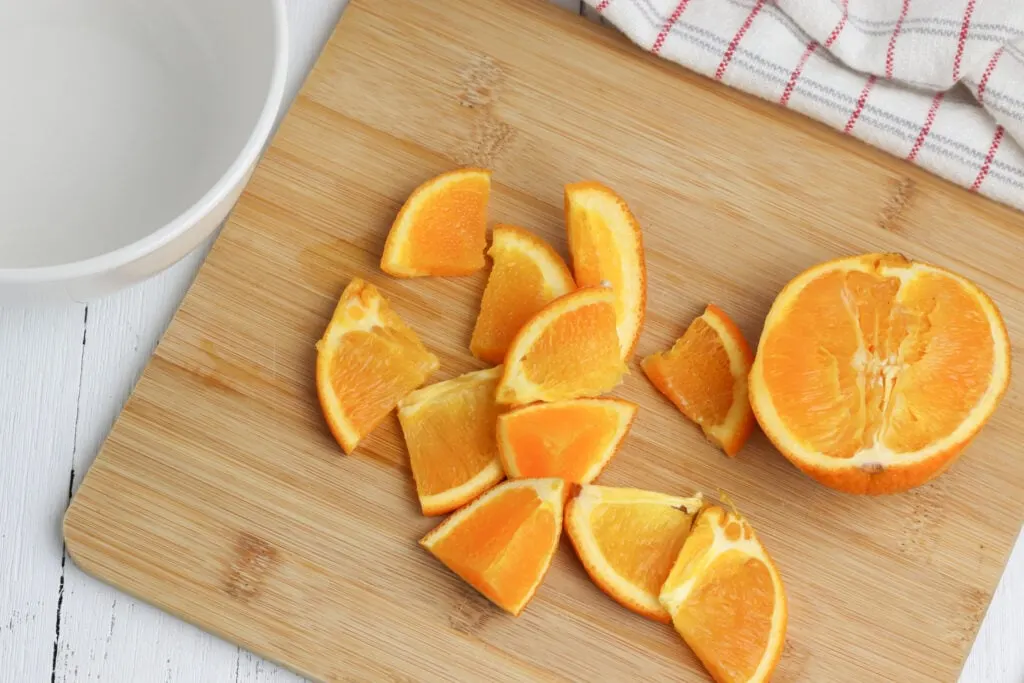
<point>502,543</point>
<point>527,275</point>
<point>449,429</point>
<point>705,375</point>
<point>367,360</point>
<point>568,350</point>
<point>873,372</point>
<point>727,600</point>
<point>572,440</point>
<point>606,246</point>
<point>628,540</point>
<point>442,227</point>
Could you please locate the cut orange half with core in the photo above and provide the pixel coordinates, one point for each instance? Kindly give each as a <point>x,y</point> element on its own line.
<point>705,375</point>
<point>628,540</point>
<point>606,247</point>
<point>726,599</point>
<point>366,362</point>
<point>527,275</point>
<point>449,431</point>
<point>570,349</point>
<point>572,440</point>
<point>873,372</point>
<point>502,543</point>
<point>442,228</point>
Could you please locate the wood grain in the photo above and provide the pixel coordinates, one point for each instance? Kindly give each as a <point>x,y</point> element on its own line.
<point>220,496</point>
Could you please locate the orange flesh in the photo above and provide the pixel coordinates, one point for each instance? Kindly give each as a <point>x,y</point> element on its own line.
<point>560,441</point>
<point>596,258</point>
<point>450,441</point>
<point>856,361</point>
<point>641,541</point>
<point>726,618</point>
<point>695,374</point>
<point>578,353</point>
<point>498,550</point>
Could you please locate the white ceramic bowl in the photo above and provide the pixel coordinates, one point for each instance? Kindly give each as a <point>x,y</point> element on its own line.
<point>128,128</point>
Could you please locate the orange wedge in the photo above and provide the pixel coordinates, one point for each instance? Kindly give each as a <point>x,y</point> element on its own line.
<point>449,430</point>
<point>606,246</point>
<point>366,362</point>
<point>568,350</point>
<point>572,440</point>
<point>873,372</point>
<point>442,228</point>
<point>527,275</point>
<point>726,599</point>
<point>628,540</point>
<point>503,542</point>
<point>705,375</point>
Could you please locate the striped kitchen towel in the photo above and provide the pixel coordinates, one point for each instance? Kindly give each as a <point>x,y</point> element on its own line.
<point>937,82</point>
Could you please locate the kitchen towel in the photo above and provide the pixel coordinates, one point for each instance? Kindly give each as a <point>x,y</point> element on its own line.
<point>937,82</point>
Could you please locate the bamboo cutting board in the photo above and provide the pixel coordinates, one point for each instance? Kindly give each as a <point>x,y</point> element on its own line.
<point>221,497</point>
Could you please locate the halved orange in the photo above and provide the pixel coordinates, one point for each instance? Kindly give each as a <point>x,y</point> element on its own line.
<point>572,440</point>
<point>606,246</point>
<point>442,228</point>
<point>502,543</point>
<point>628,540</point>
<point>873,372</point>
<point>568,350</point>
<point>449,430</point>
<point>527,275</point>
<point>366,361</point>
<point>727,600</point>
<point>705,375</point>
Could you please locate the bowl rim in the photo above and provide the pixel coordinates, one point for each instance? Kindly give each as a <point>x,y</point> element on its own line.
<point>187,219</point>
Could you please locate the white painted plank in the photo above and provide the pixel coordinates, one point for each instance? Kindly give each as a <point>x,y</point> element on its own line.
<point>40,370</point>
<point>255,669</point>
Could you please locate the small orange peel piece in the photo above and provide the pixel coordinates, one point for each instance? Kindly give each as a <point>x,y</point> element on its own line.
<point>449,429</point>
<point>705,375</point>
<point>502,543</point>
<point>568,350</point>
<point>628,539</point>
<point>527,275</point>
<point>442,228</point>
<point>606,246</point>
<point>573,440</point>
<point>366,362</point>
<point>727,600</point>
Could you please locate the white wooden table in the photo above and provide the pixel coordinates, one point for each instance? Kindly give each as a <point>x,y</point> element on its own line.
<point>64,374</point>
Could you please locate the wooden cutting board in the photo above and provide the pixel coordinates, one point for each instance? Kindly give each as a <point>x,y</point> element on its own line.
<point>221,497</point>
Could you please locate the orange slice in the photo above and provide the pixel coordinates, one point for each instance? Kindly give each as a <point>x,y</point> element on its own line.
<point>527,275</point>
<point>503,542</point>
<point>727,600</point>
<point>449,430</point>
<point>568,350</point>
<point>606,246</point>
<point>572,440</point>
<point>442,228</point>
<point>628,540</point>
<point>873,372</point>
<point>705,375</point>
<point>367,360</point>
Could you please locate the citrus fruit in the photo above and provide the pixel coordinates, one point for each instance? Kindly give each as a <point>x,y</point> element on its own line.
<point>449,431</point>
<point>606,247</point>
<point>366,361</point>
<point>705,375</point>
<point>573,439</point>
<point>527,275</point>
<point>726,599</point>
<point>568,350</point>
<point>502,543</point>
<point>628,540</point>
<point>873,372</point>
<point>442,227</point>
